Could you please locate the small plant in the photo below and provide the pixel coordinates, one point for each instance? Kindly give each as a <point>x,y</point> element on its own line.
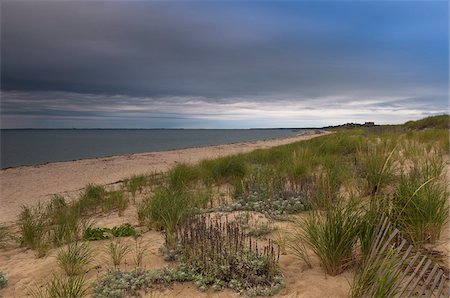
<point>280,237</point>
<point>376,166</point>
<point>167,209</point>
<point>3,280</point>
<point>225,169</point>
<point>33,228</point>
<point>75,258</point>
<point>61,287</point>
<point>117,251</point>
<point>220,254</point>
<point>91,198</point>
<point>332,235</point>
<point>5,236</point>
<point>125,230</point>
<point>135,184</point>
<point>115,200</point>
<point>183,175</point>
<point>118,283</point>
<point>139,252</point>
<point>295,242</point>
<point>420,202</point>
<point>261,230</point>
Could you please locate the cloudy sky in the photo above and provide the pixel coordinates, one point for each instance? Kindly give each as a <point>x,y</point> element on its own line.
<point>210,64</point>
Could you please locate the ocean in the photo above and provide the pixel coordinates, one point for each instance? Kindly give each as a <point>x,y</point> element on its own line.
<point>19,147</point>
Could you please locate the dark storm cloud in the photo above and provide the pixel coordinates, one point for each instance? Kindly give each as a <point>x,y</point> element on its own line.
<point>141,59</point>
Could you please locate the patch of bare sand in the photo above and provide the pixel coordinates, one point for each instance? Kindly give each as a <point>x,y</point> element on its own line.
<point>30,184</point>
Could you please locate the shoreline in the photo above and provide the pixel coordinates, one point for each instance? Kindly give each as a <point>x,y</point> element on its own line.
<point>25,185</point>
<point>304,132</point>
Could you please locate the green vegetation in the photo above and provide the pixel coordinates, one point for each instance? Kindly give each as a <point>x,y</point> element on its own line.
<point>420,201</point>
<point>3,280</point>
<point>222,255</point>
<point>135,183</point>
<point>117,251</point>
<point>125,230</point>
<point>437,122</point>
<point>75,258</point>
<point>170,207</point>
<point>61,287</point>
<point>332,235</point>
<point>59,222</point>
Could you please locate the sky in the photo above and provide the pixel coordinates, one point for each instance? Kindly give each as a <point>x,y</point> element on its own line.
<point>214,64</point>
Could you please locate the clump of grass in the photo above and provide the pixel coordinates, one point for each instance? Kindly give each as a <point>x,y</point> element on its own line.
<point>227,169</point>
<point>295,242</point>
<point>375,165</point>
<point>183,175</point>
<point>221,254</point>
<point>117,251</point>
<point>124,230</point>
<point>420,204</point>
<point>3,280</point>
<point>61,287</point>
<point>33,228</point>
<point>168,208</point>
<point>139,252</point>
<point>135,184</point>
<point>95,197</point>
<point>328,181</point>
<point>75,258</point>
<point>280,237</point>
<point>91,198</point>
<point>331,235</point>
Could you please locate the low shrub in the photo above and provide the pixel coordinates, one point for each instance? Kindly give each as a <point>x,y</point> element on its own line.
<point>125,230</point>
<point>220,254</point>
<point>264,192</point>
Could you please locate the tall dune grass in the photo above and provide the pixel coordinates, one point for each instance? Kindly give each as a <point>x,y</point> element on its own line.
<point>331,235</point>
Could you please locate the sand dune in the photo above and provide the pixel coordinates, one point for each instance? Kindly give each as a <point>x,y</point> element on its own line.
<point>30,184</point>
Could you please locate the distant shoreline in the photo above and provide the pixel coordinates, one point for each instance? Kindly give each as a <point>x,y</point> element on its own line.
<point>30,184</point>
<point>24,147</point>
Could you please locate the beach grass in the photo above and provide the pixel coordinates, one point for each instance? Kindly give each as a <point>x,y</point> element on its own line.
<point>331,235</point>
<point>117,250</point>
<point>61,287</point>
<point>75,258</point>
<point>420,202</point>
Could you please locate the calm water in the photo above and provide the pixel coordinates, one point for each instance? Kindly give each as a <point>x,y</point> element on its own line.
<point>33,147</point>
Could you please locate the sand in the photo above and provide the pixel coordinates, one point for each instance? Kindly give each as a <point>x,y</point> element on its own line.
<point>30,184</point>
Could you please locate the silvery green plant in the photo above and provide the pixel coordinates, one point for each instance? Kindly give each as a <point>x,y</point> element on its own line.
<point>3,280</point>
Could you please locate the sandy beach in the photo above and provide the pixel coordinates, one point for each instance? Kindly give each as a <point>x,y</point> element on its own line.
<point>30,184</point>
